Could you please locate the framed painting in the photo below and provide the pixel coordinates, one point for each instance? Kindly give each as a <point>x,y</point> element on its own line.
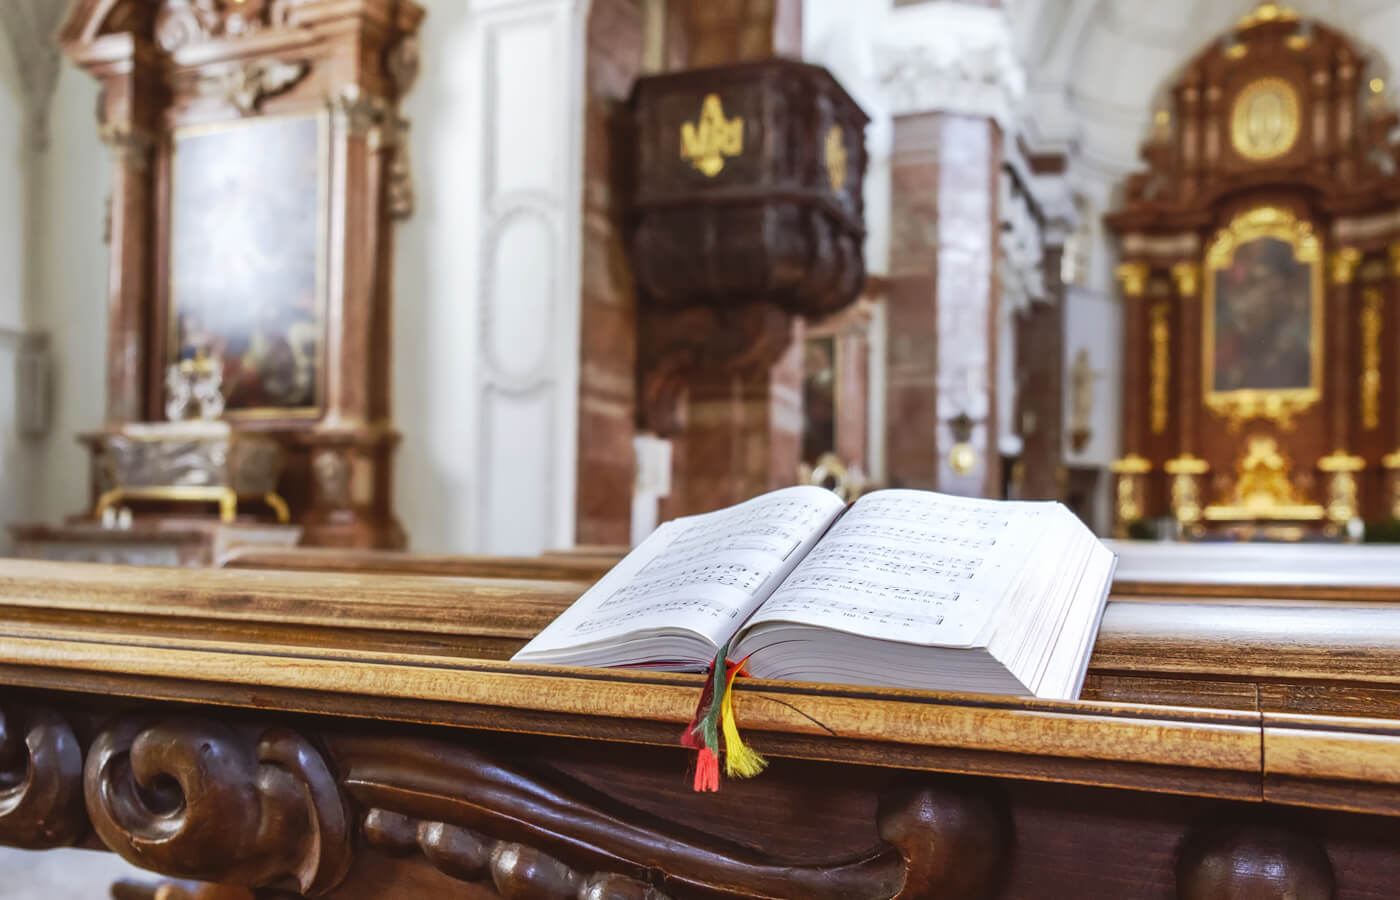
<point>1263,317</point>
<point>248,211</point>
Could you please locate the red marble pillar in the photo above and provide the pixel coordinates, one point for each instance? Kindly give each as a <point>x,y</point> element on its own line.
<point>127,116</point>
<point>1340,390</point>
<point>608,305</point>
<point>1040,343</point>
<point>943,301</point>
<point>742,435</point>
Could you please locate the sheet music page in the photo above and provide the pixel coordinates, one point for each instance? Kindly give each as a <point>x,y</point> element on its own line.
<point>910,566</point>
<point>705,573</point>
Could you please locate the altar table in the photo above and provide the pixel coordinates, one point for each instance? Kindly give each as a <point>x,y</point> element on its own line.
<point>356,736</point>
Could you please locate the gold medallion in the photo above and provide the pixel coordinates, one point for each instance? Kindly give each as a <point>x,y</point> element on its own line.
<point>1264,122</point>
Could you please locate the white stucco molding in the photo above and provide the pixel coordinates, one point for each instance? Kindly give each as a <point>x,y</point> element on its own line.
<point>30,26</point>
<point>949,57</point>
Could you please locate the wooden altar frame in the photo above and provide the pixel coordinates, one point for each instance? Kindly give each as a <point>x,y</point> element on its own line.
<point>168,65</point>
<point>1318,155</point>
<point>1277,404</point>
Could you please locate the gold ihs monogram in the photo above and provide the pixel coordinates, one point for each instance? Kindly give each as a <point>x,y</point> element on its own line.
<point>706,143</point>
<point>836,158</point>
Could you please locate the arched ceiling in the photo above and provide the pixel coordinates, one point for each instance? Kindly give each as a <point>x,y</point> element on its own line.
<point>1095,69</point>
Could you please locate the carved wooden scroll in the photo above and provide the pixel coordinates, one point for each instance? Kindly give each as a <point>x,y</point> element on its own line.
<point>201,800</point>
<point>41,781</point>
<point>543,838</point>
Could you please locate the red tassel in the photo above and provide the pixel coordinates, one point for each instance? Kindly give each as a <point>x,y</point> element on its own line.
<point>706,771</point>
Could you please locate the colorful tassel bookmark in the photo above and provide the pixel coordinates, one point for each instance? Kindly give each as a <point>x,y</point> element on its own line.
<point>713,715</point>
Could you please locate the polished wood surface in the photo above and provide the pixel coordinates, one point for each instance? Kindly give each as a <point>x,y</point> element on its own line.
<point>359,735</point>
<point>583,567</point>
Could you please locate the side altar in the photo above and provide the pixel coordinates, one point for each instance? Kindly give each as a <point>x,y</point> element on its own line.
<point>259,165</point>
<point>1260,279</point>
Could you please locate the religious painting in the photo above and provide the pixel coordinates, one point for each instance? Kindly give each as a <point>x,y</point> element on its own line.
<point>1263,317</point>
<point>247,282</point>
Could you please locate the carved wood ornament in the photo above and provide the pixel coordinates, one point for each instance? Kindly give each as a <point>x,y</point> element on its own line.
<point>267,807</point>
<point>176,69</point>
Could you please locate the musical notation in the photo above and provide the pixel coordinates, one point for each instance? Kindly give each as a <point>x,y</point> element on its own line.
<point>785,519</point>
<point>692,608</point>
<point>875,592</point>
<point>901,562</point>
<point>731,575</point>
<point>834,610</point>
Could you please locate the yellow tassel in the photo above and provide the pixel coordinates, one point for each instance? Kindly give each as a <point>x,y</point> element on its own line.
<point>740,760</point>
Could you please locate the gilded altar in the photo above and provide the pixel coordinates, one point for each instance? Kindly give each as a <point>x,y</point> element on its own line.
<point>1260,277</point>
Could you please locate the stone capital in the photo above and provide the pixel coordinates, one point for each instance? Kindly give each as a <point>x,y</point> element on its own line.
<point>949,57</point>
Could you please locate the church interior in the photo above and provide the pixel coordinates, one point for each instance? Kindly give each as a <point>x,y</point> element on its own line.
<point>567,270</point>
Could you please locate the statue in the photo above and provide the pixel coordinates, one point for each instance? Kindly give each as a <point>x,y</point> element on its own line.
<point>194,382</point>
<point>1081,391</point>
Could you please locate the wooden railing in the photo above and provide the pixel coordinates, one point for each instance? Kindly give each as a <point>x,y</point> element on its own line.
<point>279,727</point>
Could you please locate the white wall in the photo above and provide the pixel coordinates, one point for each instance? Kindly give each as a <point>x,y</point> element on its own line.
<point>13,164</point>
<point>842,35</point>
<point>486,343</point>
<point>73,175</point>
<point>16,460</point>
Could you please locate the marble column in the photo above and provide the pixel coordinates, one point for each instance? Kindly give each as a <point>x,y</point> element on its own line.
<point>1040,345</point>
<point>943,307</point>
<point>949,79</point>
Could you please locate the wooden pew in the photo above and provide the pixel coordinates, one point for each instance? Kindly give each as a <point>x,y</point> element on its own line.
<point>358,736</point>
<point>561,567</point>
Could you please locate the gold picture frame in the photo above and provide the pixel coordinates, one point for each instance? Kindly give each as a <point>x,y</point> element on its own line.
<point>1279,404</point>
<point>320,121</point>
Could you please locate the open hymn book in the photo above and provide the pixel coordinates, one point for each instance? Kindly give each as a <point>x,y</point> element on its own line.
<point>902,588</point>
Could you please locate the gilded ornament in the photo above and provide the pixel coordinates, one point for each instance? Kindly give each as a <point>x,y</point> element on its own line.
<point>1186,495</point>
<point>1129,499</point>
<point>1267,12</point>
<point>1133,275</point>
<point>1264,488</point>
<point>1188,278</point>
<point>706,142</point>
<point>1372,320</point>
<point>1264,121</point>
<point>1391,462</point>
<point>1132,464</point>
<point>1161,365</point>
<point>1341,468</point>
<point>1393,252</point>
<point>836,158</point>
<point>1342,265</point>
<point>1281,405</point>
